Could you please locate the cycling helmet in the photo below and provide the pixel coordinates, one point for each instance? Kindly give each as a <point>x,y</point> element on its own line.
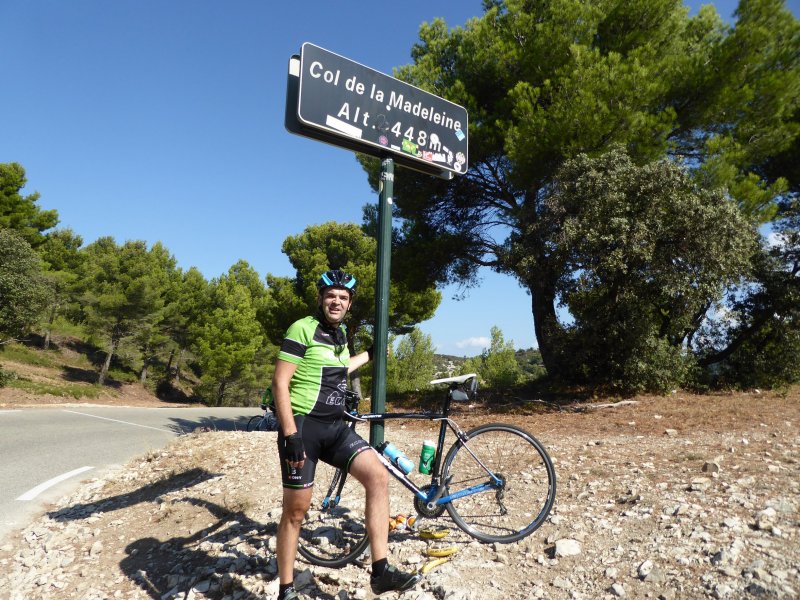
<point>337,278</point>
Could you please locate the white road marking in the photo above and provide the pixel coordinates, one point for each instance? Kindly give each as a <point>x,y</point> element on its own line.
<point>32,493</point>
<point>118,421</point>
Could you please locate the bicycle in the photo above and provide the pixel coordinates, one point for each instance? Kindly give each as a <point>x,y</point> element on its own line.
<point>266,421</point>
<point>496,482</point>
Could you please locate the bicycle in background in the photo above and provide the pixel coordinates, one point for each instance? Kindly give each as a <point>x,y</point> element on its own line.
<point>267,421</point>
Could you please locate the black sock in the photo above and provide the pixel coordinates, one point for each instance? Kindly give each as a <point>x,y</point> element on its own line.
<point>379,566</point>
<point>282,589</point>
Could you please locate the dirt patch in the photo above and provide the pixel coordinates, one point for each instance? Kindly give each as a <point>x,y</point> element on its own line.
<point>82,389</point>
<point>129,394</point>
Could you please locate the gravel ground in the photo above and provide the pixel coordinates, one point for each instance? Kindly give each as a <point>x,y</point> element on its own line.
<point>676,497</point>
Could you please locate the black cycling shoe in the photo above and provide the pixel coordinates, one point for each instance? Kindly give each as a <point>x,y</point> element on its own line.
<point>290,594</point>
<point>392,580</point>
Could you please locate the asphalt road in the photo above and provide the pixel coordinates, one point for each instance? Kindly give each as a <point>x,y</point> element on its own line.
<point>45,453</point>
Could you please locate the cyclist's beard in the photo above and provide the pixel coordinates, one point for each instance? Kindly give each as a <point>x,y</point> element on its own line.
<point>336,331</point>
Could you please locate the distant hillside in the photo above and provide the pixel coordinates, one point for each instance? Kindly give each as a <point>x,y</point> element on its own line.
<point>448,365</point>
<point>530,361</point>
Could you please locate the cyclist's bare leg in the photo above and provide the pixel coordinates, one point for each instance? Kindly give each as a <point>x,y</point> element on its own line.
<point>295,505</point>
<point>367,468</point>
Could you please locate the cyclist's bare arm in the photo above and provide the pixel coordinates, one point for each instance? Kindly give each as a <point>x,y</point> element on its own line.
<point>359,360</point>
<point>284,371</point>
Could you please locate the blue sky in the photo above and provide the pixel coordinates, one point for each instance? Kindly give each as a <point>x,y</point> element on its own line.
<point>163,121</point>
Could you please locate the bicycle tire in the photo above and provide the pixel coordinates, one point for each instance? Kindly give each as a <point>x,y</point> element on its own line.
<point>528,492</point>
<point>334,535</point>
<point>254,423</point>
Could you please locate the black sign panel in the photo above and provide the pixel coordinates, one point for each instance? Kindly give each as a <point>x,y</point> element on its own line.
<point>345,103</point>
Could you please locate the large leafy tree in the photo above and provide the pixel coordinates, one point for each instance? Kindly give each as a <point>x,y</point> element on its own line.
<point>23,292</point>
<point>497,365</point>
<point>62,259</point>
<point>547,81</point>
<point>644,253</point>
<point>185,302</point>
<point>411,367</point>
<point>341,246</point>
<point>18,211</point>
<point>761,346</point>
<point>228,336</point>
<point>124,290</point>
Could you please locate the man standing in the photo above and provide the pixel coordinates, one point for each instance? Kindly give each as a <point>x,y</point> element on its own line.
<point>309,384</point>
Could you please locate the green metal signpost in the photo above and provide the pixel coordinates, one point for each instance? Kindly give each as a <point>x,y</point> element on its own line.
<point>332,99</point>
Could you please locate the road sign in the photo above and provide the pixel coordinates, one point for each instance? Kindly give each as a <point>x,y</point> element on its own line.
<point>347,104</point>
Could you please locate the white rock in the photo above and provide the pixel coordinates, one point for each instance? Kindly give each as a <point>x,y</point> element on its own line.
<point>645,568</point>
<point>567,547</point>
<point>562,583</point>
<point>618,590</point>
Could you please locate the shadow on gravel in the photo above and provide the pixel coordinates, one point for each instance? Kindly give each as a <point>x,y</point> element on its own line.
<point>181,425</point>
<point>173,567</point>
<point>204,560</point>
<point>148,493</point>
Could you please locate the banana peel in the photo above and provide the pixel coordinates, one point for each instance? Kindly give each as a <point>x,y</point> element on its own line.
<point>433,534</point>
<point>442,552</point>
<point>433,564</point>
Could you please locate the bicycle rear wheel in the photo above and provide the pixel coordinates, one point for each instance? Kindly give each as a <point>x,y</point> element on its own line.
<point>334,532</point>
<point>517,506</point>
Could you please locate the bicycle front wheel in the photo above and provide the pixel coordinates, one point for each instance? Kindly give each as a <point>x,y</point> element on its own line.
<point>334,532</point>
<point>520,483</point>
<point>254,422</point>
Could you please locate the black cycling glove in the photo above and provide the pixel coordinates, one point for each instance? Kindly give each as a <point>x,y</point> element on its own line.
<point>293,446</point>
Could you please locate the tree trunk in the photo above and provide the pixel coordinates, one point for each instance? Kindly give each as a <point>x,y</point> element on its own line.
<point>169,363</point>
<point>546,326</point>
<point>178,364</point>
<point>221,392</point>
<point>104,370</point>
<point>143,374</point>
<point>50,320</point>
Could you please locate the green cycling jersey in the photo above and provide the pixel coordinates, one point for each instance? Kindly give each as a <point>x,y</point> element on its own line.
<point>320,352</point>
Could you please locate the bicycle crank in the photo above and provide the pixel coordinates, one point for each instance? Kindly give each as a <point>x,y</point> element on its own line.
<point>422,507</point>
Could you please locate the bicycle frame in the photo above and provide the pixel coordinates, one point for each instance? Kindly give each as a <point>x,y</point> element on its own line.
<point>435,496</point>
<point>485,460</point>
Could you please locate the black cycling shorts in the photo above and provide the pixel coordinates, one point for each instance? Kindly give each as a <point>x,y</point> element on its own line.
<point>332,442</point>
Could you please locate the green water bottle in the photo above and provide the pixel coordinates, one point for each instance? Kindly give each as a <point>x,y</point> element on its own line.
<point>426,457</point>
